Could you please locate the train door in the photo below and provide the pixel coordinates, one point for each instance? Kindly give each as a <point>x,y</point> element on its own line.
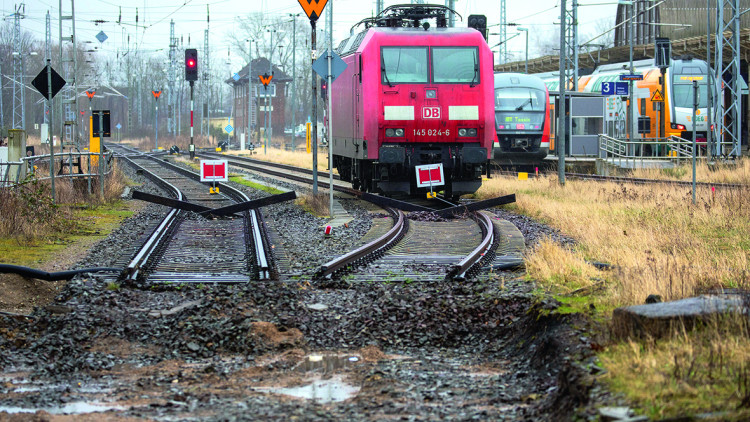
<point>356,92</point>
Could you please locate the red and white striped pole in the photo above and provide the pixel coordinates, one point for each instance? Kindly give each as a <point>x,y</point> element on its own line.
<point>192,145</point>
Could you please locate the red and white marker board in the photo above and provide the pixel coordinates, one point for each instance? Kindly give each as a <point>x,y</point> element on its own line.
<point>430,175</point>
<point>214,171</point>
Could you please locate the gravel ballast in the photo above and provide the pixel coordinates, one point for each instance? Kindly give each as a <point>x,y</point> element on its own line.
<point>482,349</point>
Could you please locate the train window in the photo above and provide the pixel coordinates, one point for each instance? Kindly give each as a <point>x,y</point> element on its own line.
<point>455,65</point>
<point>520,99</point>
<point>403,65</point>
<point>683,95</point>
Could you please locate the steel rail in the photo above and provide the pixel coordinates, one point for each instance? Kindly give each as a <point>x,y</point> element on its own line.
<point>642,181</point>
<point>251,161</point>
<point>263,260</point>
<point>458,271</point>
<point>262,253</point>
<point>369,250</point>
<point>381,201</point>
<point>133,269</point>
<point>634,180</point>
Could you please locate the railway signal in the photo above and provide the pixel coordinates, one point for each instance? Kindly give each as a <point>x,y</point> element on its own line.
<point>479,22</point>
<point>191,75</point>
<point>191,64</point>
<point>156,95</point>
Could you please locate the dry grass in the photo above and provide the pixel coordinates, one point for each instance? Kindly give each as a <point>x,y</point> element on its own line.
<point>658,240</point>
<point>315,204</point>
<point>299,158</point>
<point>182,141</point>
<point>737,172</point>
<point>566,269</point>
<point>29,213</point>
<point>707,370</point>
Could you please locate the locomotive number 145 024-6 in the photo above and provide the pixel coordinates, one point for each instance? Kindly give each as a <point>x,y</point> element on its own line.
<point>432,132</point>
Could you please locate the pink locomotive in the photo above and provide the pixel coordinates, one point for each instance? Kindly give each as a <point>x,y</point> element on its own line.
<point>414,102</point>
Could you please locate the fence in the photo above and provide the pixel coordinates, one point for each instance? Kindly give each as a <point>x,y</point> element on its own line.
<point>66,165</point>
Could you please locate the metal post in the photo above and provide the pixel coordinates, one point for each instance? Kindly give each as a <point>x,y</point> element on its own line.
<point>269,104</point>
<point>502,52</point>
<point>695,108</point>
<point>631,103</point>
<point>19,100</point>
<point>89,129</point>
<point>330,111</point>
<point>709,85</point>
<point>101,153</point>
<point>662,117</point>
<point>49,131</point>
<point>192,103</point>
<point>156,118</point>
<point>526,66</point>
<point>294,78</point>
<point>249,88</point>
<point>561,118</point>
<point>314,113</point>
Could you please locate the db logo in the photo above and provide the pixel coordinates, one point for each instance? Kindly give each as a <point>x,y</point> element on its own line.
<point>430,112</point>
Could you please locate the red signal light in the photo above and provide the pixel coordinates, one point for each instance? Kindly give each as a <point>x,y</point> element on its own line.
<point>191,64</point>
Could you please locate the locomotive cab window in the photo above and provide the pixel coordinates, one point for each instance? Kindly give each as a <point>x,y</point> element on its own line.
<point>455,65</point>
<point>403,65</point>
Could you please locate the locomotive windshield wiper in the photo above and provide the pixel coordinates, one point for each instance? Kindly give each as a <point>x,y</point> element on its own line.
<point>476,72</point>
<point>382,69</point>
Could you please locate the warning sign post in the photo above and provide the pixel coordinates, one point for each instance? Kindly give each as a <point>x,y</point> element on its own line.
<point>214,171</point>
<point>430,175</point>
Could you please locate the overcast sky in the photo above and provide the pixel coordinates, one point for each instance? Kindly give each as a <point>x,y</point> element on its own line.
<point>190,19</point>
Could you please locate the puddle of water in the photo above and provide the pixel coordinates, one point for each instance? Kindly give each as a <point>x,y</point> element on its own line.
<point>326,363</point>
<point>27,387</point>
<point>67,409</point>
<point>321,391</point>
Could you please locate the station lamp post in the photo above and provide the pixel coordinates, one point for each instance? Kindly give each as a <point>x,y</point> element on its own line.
<point>526,32</point>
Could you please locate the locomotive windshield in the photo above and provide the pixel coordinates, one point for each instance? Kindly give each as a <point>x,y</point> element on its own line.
<point>520,99</point>
<point>404,65</point>
<point>456,65</point>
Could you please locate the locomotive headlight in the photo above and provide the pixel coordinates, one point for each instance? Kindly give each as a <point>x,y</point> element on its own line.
<point>467,132</point>
<point>394,133</point>
<point>430,93</point>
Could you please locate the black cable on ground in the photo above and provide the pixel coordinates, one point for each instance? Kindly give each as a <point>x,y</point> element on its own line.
<point>56,276</point>
<point>509,266</point>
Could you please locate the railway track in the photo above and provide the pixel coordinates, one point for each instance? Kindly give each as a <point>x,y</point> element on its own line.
<point>633,180</point>
<point>403,249</point>
<point>190,248</point>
